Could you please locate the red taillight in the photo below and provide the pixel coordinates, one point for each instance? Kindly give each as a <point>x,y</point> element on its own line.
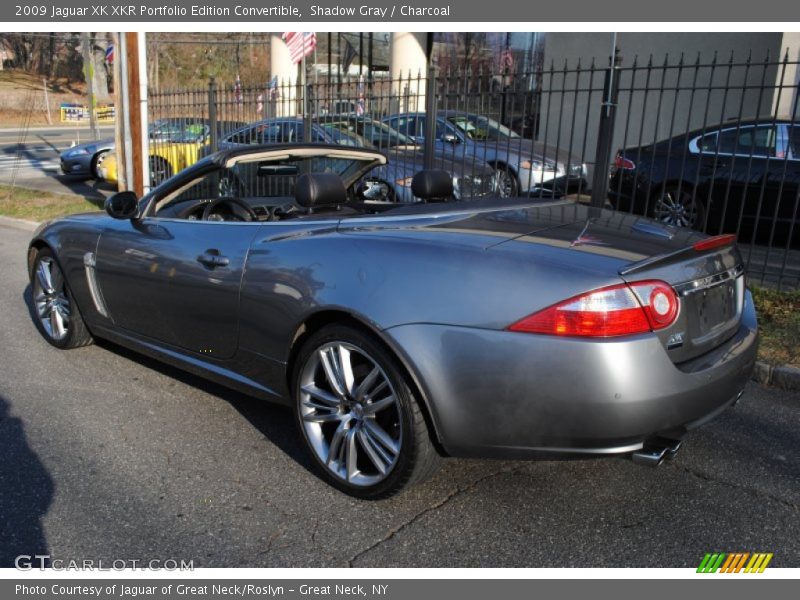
<point>718,241</point>
<point>612,311</point>
<point>621,162</point>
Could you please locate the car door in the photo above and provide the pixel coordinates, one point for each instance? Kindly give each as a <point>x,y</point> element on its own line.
<point>747,151</point>
<point>176,280</point>
<point>779,202</point>
<point>707,170</point>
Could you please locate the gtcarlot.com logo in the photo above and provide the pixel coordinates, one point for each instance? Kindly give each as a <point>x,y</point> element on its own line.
<point>27,562</point>
<point>735,562</point>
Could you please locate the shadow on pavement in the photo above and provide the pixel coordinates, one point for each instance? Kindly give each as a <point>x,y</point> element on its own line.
<point>273,421</point>
<point>26,491</point>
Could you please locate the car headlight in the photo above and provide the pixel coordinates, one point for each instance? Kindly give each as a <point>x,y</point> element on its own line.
<point>534,165</point>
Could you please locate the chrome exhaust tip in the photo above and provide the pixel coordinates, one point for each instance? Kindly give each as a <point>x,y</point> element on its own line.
<point>656,451</point>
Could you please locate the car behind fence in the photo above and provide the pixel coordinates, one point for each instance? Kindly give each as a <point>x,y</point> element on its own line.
<point>708,144</point>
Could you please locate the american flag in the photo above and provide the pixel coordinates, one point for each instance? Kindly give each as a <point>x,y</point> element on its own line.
<point>300,44</point>
<point>110,54</point>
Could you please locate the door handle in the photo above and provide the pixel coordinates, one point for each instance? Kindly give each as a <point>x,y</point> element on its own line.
<point>212,259</point>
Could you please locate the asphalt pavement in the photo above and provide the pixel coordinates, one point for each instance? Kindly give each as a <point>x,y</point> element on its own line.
<point>30,158</point>
<point>108,455</point>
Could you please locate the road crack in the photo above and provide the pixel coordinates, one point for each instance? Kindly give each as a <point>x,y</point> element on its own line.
<point>394,531</point>
<point>755,491</point>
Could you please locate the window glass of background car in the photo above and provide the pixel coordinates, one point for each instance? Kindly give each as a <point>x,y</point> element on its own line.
<point>758,141</point>
<point>407,126</point>
<point>793,131</point>
<point>708,143</point>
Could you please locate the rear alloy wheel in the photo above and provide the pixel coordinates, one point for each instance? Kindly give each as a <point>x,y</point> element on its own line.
<point>505,182</point>
<point>358,416</point>
<point>57,316</point>
<point>677,206</point>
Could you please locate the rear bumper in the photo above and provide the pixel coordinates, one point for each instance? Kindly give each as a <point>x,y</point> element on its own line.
<point>516,395</point>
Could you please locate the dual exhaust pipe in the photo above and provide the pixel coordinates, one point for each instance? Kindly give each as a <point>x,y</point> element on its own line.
<point>655,451</point>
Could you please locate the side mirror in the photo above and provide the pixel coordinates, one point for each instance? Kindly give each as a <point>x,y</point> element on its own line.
<point>449,138</point>
<point>122,205</point>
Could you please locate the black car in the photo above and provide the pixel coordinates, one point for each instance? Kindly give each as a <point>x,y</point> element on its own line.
<point>739,177</point>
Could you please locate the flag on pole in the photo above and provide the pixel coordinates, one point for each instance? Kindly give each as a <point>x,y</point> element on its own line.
<point>348,57</point>
<point>110,54</point>
<point>300,44</point>
<point>237,90</point>
<point>360,103</point>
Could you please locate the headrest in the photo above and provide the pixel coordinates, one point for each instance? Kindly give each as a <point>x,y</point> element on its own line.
<point>432,185</point>
<point>319,189</point>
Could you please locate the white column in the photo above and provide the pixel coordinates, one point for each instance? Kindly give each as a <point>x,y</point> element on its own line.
<point>286,71</point>
<point>791,79</point>
<point>408,58</point>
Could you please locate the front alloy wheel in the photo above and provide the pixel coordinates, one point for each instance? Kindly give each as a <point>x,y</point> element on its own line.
<point>505,182</point>
<point>358,416</point>
<point>56,315</point>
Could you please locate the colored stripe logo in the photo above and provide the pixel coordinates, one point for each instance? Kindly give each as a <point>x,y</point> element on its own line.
<point>736,562</point>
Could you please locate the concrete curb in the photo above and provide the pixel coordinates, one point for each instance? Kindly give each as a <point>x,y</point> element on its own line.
<point>23,224</point>
<point>783,377</point>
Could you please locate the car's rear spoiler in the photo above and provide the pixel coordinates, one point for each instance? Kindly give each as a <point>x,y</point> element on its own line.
<point>704,245</point>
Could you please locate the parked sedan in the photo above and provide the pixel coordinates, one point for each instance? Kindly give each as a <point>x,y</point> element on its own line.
<point>390,182</point>
<point>521,166</point>
<point>402,333</point>
<point>736,177</point>
<point>86,160</point>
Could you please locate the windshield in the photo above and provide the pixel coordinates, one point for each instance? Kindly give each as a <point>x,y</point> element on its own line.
<point>178,131</point>
<point>370,134</point>
<point>481,129</point>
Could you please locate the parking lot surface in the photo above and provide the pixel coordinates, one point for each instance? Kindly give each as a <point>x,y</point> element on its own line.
<point>109,455</point>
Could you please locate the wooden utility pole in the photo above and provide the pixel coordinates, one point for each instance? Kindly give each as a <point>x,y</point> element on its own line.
<point>120,112</point>
<point>132,140</point>
<point>88,68</point>
<point>134,113</point>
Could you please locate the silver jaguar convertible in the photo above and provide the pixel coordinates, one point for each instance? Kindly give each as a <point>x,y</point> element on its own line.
<point>399,334</point>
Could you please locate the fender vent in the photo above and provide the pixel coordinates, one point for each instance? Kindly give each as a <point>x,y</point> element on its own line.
<point>94,288</point>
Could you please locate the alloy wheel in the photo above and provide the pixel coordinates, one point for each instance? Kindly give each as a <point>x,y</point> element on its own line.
<point>51,300</point>
<point>350,413</point>
<point>677,207</point>
<point>505,184</point>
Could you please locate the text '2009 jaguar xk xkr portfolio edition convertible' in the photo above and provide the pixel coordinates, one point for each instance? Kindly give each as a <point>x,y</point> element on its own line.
<point>403,333</point>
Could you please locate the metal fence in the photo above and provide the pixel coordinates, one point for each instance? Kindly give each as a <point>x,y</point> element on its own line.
<point>713,145</point>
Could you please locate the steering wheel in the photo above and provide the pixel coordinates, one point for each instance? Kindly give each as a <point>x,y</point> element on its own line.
<point>235,210</point>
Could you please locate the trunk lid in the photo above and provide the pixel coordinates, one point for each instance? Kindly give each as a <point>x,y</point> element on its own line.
<point>710,283</point>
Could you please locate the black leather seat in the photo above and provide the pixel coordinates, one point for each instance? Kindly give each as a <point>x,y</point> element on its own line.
<point>320,192</point>
<point>433,185</point>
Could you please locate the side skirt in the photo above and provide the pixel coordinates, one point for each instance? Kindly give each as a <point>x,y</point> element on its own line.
<point>190,364</point>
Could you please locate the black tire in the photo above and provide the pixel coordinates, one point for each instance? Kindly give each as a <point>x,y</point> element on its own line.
<point>75,334</point>
<point>507,184</point>
<point>96,160</point>
<point>417,458</point>
<point>677,205</point>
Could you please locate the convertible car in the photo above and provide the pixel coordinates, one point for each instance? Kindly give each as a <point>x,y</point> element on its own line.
<point>403,333</point>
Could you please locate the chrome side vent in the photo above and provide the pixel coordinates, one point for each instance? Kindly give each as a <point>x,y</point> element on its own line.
<point>94,288</point>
